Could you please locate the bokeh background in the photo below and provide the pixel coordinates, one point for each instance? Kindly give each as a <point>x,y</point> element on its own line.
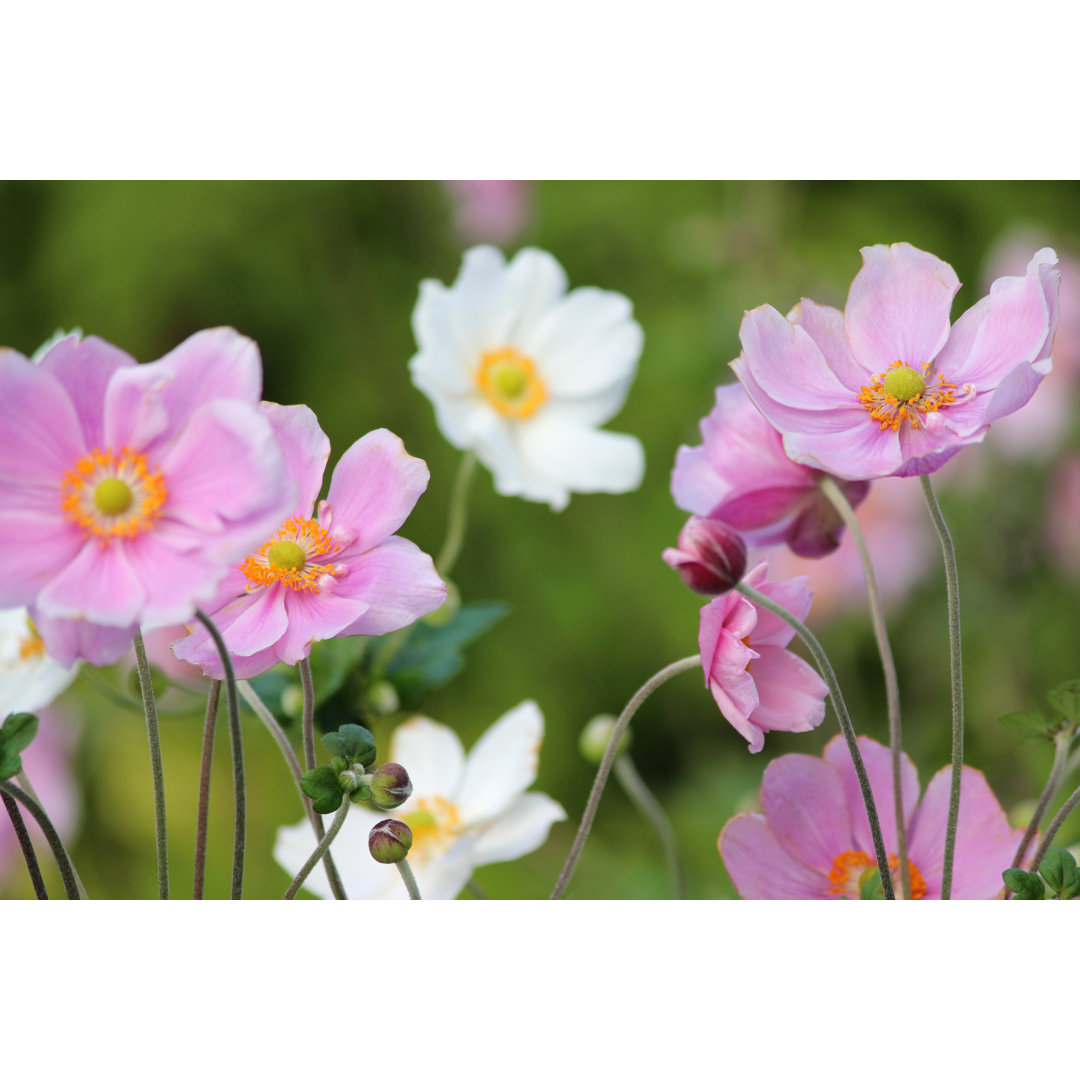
<point>324,277</point>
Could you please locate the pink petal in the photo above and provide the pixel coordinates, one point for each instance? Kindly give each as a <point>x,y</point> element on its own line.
<point>69,640</point>
<point>861,452</point>
<point>33,549</point>
<point>304,449</point>
<point>99,585</point>
<point>314,616</point>
<point>794,596</point>
<point>825,325</point>
<point>898,306</point>
<point>760,869</point>
<point>791,694</point>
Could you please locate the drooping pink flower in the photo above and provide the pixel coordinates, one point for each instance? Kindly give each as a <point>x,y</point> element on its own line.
<point>339,573</point>
<point>741,475</point>
<point>812,842</point>
<point>757,683</point>
<point>490,211</point>
<point>126,490</point>
<point>887,387</point>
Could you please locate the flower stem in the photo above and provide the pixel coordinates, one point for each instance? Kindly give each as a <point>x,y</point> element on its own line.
<point>1057,772</point>
<point>640,795</point>
<point>455,521</point>
<point>608,762</point>
<point>836,496</point>
<point>146,686</point>
<point>405,870</point>
<point>476,891</point>
<point>267,717</point>
<point>317,854</point>
<point>956,677</point>
<point>203,820</point>
<point>240,816</point>
<point>27,845</point>
<point>24,783</point>
<point>1067,808</point>
<point>846,727</point>
<point>63,859</point>
<point>307,722</point>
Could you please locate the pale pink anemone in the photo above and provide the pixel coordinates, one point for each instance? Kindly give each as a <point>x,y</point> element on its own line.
<point>742,476</point>
<point>887,387</point>
<point>339,573</point>
<point>813,840</point>
<point>757,683</point>
<point>127,490</point>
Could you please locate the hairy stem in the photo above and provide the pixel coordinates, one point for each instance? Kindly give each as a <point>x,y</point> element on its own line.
<point>203,819</point>
<point>27,846</point>
<point>1052,829</point>
<point>317,854</point>
<point>405,870</point>
<point>455,521</point>
<point>146,686</point>
<point>63,859</point>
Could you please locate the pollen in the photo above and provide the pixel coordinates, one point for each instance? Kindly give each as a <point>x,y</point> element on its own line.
<point>111,494</point>
<point>850,870</point>
<point>509,380</point>
<point>901,394</point>
<point>295,556</point>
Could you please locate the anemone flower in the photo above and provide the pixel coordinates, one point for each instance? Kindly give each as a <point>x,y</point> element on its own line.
<point>29,678</point>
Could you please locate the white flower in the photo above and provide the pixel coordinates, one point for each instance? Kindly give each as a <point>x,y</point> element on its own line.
<point>464,812</point>
<point>30,679</point>
<point>523,373</point>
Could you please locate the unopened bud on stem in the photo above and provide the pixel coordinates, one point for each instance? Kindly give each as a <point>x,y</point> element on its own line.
<point>389,841</point>
<point>710,558</point>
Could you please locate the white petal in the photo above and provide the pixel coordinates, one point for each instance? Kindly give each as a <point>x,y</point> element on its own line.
<point>521,829</point>
<point>496,442</point>
<point>502,764</point>
<point>431,754</point>
<point>534,283</point>
<point>26,683</point>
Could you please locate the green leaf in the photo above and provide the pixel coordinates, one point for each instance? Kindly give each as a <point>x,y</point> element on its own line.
<point>10,763</point>
<point>352,742</point>
<point>1028,726</point>
<point>871,887</point>
<point>321,786</point>
<point>1058,869</point>
<point>1027,886</point>
<point>1066,699</point>
<point>18,731</point>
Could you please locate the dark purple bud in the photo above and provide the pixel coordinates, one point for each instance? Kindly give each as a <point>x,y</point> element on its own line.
<point>710,558</point>
<point>389,841</point>
<point>390,786</point>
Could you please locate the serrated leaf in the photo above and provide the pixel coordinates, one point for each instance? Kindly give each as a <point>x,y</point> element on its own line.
<point>1028,726</point>
<point>1066,699</point>
<point>1027,886</point>
<point>871,887</point>
<point>321,786</point>
<point>1057,868</point>
<point>352,742</point>
<point>18,731</point>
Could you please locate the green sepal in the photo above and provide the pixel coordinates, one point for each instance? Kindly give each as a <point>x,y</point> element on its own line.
<point>338,764</point>
<point>1026,885</point>
<point>1065,698</point>
<point>10,762</point>
<point>321,786</point>
<point>871,887</point>
<point>1058,869</point>
<point>18,731</point>
<point>361,794</point>
<point>1028,726</point>
<point>352,742</point>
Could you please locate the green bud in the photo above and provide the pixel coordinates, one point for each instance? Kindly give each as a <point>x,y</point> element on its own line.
<point>380,699</point>
<point>389,841</point>
<point>1027,886</point>
<point>1058,869</point>
<point>338,764</point>
<point>390,786</point>
<point>292,701</point>
<point>595,736</point>
<point>350,779</point>
<point>449,608</point>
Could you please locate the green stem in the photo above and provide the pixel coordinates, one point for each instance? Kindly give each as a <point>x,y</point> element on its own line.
<point>317,854</point>
<point>307,722</point>
<point>639,794</point>
<point>846,727</point>
<point>24,783</point>
<point>1057,772</point>
<point>63,859</point>
<point>608,762</point>
<point>476,891</point>
<point>239,787</point>
<point>203,819</point>
<point>1052,829</point>
<point>146,686</point>
<point>455,521</point>
<point>405,870</point>
<point>956,678</point>
<point>27,845</point>
<point>839,500</point>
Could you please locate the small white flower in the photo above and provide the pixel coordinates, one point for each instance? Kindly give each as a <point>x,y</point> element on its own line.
<point>30,679</point>
<point>464,812</point>
<point>523,373</point>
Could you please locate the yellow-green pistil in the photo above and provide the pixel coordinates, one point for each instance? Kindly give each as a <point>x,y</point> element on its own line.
<point>112,496</point>
<point>903,383</point>
<point>286,555</point>
<point>510,382</point>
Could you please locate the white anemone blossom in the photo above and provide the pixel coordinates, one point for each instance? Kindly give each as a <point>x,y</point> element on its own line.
<point>30,679</point>
<point>522,373</point>
<point>464,812</point>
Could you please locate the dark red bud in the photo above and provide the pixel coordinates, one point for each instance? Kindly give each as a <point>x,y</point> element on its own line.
<point>710,558</point>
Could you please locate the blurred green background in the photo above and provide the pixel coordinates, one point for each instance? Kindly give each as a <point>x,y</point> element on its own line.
<point>324,277</point>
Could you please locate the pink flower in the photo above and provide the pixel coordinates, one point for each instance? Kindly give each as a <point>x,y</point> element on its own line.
<point>757,683</point>
<point>127,489</point>
<point>741,475</point>
<point>492,211</point>
<point>339,573</point>
<point>887,387</point>
<point>813,840</point>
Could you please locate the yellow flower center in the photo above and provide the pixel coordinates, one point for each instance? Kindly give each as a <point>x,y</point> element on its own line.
<point>508,379</point>
<point>900,394</point>
<point>294,556</point>
<point>31,646</point>
<point>435,824</point>
<point>851,869</point>
<point>112,494</point>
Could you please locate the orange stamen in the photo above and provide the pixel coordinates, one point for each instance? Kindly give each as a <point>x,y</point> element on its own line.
<point>313,540</point>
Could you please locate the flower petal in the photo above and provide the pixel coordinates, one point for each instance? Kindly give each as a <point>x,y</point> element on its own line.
<point>314,616</point>
<point>825,325</point>
<point>502,763</point>
<point>521,827</point>
<point>99,584</point>
<point>304,450</point>
<point>34,549</point>
<point>431,754</point>
<point>791,694</point>
<point>70,640</point>
<point>759,867</point>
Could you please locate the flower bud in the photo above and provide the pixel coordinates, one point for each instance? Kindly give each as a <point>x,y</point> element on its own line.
<point>380,699</point>
<point>350,779</point>
<point>710,558</point>
<point>389,841</point>
<point>595,736</point>
<point>390,786</point>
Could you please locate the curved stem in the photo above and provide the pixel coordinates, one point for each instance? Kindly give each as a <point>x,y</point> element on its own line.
<point>239,788</point>
<point>956,678</point>
<point>405,870</point>
<point>317,854</point>
<point>307,722</point>
<point>1052,829</point>
<point>1057,772</point>
<point>839,500</point>
<point>203,819</point>
<point>63,859</point>
<point>269,720</point>
<point>455,521</point>
<point>639,794</point>
<point>608,761</point>
<point>846,727</point>
<point>27,845</point>
<point>146,686</point>
<point>24,783</point>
